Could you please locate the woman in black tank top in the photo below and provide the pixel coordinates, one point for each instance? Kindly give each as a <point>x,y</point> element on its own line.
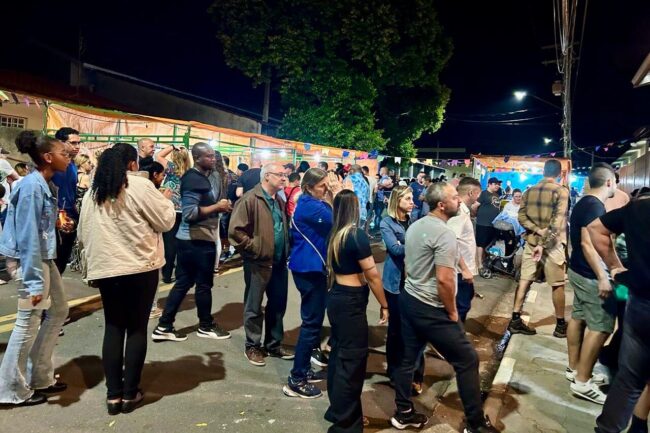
<point>352,275</point>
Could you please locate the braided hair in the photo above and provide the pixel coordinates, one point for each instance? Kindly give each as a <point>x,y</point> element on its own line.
<point>110,175</point>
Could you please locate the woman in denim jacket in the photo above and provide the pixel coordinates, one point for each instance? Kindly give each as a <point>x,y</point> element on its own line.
<point>310,228</point>
<point>27,373</point>
<point>393,230</point>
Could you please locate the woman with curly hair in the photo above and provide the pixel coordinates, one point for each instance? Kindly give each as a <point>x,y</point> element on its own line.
<point>27,372</point>
<point>120,229</point>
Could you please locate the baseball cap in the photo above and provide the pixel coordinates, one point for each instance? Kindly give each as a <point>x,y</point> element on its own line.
<point>494,180</point>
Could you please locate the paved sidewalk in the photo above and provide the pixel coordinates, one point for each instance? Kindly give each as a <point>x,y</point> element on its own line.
<point>530,392</point>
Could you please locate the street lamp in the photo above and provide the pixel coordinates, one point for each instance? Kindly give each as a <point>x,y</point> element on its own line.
<point>520,95</point>
<point>547,140</point>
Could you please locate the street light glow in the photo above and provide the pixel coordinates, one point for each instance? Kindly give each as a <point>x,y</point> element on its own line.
<point>547,140</point>
<point>520,95</point>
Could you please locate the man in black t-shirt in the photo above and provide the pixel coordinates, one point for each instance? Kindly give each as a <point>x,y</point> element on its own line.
<point>488,209</point>
<point>634,374</point>
<point>593,304</point>
<point>250,178</point>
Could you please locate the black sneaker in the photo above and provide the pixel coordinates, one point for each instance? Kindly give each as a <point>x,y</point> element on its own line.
<point>281,353</point>
<point>402,420</point>
<point>302,389</point>
<point>560,330</point>
<point>316,376</point>
<point>165,334</point>
<point>319,358</point>
<point>485,427</point>
<point>519,327</point>
<point>214,332</point>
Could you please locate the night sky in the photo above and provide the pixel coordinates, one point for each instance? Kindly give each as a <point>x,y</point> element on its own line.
<point>498,48</point>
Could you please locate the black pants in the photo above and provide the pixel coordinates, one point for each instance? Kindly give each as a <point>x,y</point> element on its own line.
<point>422,323</point>
<point>127,302</point>
<point>346,310</point>
<point>313,293</point>
<point>169,239</point>
<point>64,244</point>
<point>394,344</point>
<point>195,267</point>
<point>464,298</point>
<point>273,281</point>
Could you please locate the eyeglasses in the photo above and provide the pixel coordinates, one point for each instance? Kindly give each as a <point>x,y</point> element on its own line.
<point>284,175</point>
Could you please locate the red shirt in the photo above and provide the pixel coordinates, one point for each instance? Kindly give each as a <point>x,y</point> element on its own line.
<point>291,192</point>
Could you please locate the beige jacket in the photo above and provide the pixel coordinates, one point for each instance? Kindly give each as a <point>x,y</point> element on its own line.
<point>124,237</point>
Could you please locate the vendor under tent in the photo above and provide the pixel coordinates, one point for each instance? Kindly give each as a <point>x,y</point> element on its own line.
<point>520,171</point>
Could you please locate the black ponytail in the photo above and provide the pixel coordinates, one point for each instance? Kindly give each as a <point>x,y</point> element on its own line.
<point>110,176</point>
<point>35,145</point>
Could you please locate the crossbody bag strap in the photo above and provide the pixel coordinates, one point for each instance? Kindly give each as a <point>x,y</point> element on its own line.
<point>293,223</point>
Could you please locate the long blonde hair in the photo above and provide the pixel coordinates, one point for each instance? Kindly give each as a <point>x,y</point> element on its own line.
<point>181,160</point>
<point>393,203</point>
<point>345,220</point>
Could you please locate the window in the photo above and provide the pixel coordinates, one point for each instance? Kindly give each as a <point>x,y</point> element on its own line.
<point>13,122</point>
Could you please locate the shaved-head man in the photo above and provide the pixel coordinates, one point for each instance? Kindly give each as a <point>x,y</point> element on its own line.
<point>146,149</point>
<point>258,230</point>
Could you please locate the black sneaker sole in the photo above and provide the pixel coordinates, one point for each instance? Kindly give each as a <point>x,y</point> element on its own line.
<point>558,335</point>
<point>290,393</point>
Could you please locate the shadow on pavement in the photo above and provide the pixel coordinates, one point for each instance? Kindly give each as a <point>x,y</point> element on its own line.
<point>81,374</point>
<point>164,378</point>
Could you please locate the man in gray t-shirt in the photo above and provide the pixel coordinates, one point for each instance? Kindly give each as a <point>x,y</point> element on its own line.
<point>429,243</point>
<point>429,313</point>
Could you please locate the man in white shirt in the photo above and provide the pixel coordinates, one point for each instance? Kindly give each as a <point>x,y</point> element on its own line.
<point>468,191</point>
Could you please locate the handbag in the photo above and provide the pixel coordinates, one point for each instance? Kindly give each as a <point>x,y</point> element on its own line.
<point>295,226</point>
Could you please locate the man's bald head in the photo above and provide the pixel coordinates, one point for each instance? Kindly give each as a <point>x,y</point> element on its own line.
<point>146,147</point>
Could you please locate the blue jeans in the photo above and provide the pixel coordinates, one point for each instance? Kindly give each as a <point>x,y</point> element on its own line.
<point>27,363</point>
<point>464,298</point>
<point>313,292</point>
<point>195,266</point>
<point>634,368</point>
<point>394,344</point>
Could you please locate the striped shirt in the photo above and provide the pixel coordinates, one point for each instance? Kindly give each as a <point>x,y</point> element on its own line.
<point>545,205</point>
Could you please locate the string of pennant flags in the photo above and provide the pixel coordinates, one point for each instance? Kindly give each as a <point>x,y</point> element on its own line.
<point>13,98</point>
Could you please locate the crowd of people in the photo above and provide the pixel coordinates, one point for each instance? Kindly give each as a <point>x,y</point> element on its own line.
<point>140,215</point>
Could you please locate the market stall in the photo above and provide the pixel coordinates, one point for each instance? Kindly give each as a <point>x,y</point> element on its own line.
<point>516,171</point>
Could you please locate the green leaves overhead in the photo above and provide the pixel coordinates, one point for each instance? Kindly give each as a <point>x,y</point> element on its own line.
<point>351,73</point>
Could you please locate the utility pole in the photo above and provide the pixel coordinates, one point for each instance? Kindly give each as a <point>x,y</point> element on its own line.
<point>265,109</point>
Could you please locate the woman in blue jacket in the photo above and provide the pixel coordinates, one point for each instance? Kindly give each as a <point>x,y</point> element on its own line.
<point>27,372</point>
<point>310,229</point>
<point>393,230</point>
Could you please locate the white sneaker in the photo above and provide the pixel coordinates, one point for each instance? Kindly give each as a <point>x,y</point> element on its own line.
<point>588,391</point>
<point>597,378</point>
